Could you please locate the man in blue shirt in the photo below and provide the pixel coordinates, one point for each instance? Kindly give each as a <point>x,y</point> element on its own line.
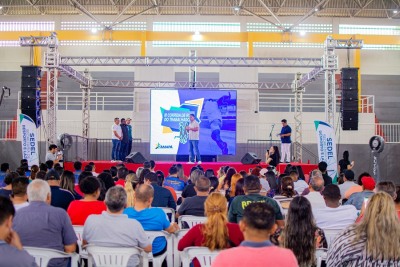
<point>285,134</point>
<point>129,127</point>
<point>173,181</point>
<point>152,219</point>
<point>60,198</point>
<point>4,169</point>
<point>78,170</point>
<point>162,196</point>
<point>124,141</point>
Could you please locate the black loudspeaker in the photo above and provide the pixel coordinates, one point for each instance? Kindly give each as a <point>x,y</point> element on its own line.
<point>350,84</point>
<point>250,158</point>
<point>349,73</point>
<point>349,95</point>
<point>349,115</point>
<point>31,71</point>
<point>350,125</point>
<point>349,109</point>
<point>30,92</point>
<point>135,157</point>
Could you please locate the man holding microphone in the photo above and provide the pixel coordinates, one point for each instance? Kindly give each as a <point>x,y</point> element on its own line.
<point>285,134</point>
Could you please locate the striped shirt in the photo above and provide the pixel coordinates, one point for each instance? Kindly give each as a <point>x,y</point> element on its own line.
<point>345,252</point>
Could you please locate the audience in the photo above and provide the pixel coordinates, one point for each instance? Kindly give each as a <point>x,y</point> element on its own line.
<point>372,242</point>
<point>213,184</point>
<point>68,183</point>
<point>181,174</point>
<point>11,250</point>
<point>4,170</point>
<point>40,175</point>
<point>45,226</point>
<point>348,182</point>
<point>216,232</point>
<point>173,181</point>
<point>121,174</point>
<point>59,197</point>
<point>287,187</point>
<point>152,219</point>
<point>252,189</point>
<point>19,197</point>
<point>257,225</point>
<point>299,185</point>
<point>357,187</point>
<point>112,228</point>
<point>107,180</point>
<point>114,172</point>
<point>78,170</point>
<point>316,186</point>
<point>357,199</point>
<point>236,177</point>
<point>6,190</point>
<point>143,173</point>
<point>195,205</point>
<point>82,176</point>
<point>322,167</point>
<point>162,196</point>
<point>34,171</point>
<point>334,215</point>
<point>397,200</point>
<point>263,179</point>
<point>271,179</point>
<point>79,210</point>
<point>130,185</point>
<point>300,234</point>
<point>189,191</point>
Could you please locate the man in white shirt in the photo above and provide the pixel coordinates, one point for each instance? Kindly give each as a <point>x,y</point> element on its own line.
<point>348,182</point>
<point>116,138</point>
<point>316,186</point>
<point>194,135</point>
<point>334,216</point>
<point>299,185</point>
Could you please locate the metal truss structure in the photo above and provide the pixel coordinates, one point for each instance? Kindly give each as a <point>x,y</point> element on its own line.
<point>193,61</point>
<point>191,84</point>
<point>326,65</point>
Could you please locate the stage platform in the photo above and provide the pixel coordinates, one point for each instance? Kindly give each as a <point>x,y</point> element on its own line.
<point>165,165</point>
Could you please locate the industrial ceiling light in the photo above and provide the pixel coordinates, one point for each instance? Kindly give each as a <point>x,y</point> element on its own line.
<point>395,11</point>
<point>197,36</point>
<point>236,8</point>
<point>302,33</point>
<point>94,30</point>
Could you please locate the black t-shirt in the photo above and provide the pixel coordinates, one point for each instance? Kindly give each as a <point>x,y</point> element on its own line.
<point>188,191</point>
<point>327,179</point>
<point>193,206</point>
<point>275,160</point>
<point>343,165</point>
<point>60,198</point>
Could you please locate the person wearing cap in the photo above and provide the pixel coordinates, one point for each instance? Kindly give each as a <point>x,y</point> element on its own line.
<point>357,199</point>
<point>285,134</point>
<point>348,182</point>
<point>44,226</point>
<point>129,127</point>
<point>263,179</point>
<point>194,135</point>
<point>334,215</point>
<point>59,197</point>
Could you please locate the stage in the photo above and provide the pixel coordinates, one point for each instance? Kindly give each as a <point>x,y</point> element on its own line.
<point>165,165</point>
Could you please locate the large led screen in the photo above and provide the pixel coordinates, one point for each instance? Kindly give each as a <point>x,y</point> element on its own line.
<point>214,110</point>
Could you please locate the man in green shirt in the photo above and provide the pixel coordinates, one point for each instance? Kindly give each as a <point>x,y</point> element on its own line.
<point>252,188</point>
<point>129,126</point>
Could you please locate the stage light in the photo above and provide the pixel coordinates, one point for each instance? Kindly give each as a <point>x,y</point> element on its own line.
<point>316,9</point>
<point>94,30</point>
<point>395,11</point>
<point>1,7</point>
<point>302,33</point>
<point>236,8</point>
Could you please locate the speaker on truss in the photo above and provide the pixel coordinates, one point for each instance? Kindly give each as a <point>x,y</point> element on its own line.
<point>349,107</point>
<point>250,158</point>
<point>30,93</point>
<point>135,157</point>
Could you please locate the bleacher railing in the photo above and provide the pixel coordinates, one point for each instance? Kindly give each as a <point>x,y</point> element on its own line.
<point>389,131</point>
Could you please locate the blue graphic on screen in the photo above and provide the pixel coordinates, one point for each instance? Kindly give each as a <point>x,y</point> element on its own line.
<point>214,110</point>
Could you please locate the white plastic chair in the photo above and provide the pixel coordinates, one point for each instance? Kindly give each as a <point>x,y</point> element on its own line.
<point>168,254</point>
<point>190,220</point>
<point>44,255</point>
<point>203,255</point>
<point>176,237</point>
<point>114,256</point>
<point>320,255</point>
<point>79,233</point>
<point>170,211</point>
<point>330,235</point>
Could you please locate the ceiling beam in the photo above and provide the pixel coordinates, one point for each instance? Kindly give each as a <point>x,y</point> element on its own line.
<point>361,9</point>
<point>35,7</point>
<point>137,14</point>
<point>263,18</point>
<point>81,8</point>
<point>308,14</point>
<point>122,12</point>
<point>270,11</point>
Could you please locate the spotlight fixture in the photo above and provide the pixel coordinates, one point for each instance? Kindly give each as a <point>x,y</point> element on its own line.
<point>395,11</point>
<point>236,8</point>
<point>302,33</point>
<point>196,36</point>
<point>94,30</point>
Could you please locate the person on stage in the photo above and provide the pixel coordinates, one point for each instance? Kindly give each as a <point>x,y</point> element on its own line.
<point>129,126</point>
<point>272,156</point>
<point>285,134</point>
<point>116,138</point>
<point>124,140</point>
<point>194,135</point>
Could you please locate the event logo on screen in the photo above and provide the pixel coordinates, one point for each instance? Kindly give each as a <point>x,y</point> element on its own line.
<point>214,110</point>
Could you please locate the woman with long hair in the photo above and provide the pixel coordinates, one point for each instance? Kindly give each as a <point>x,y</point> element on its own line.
<point>34,170</point>
<point>236,177</point>
<point>181,173</point>
<point>301,235</point>
<point>216,232</point>
<point>107,180</point>
<point>287,187</point>
<point>273,157</point>
<point>375,241</point>
<point>344,163</point>
<point>68,183</point>
<point>79,210</point>
<point>226,184</point>
<point>131,181</point>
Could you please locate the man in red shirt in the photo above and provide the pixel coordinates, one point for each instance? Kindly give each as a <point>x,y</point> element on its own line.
<point>257,225</point>
<point>122,173</point>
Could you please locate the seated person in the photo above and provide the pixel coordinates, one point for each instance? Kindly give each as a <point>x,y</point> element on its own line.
<point>60,198</point>
<point>6,190</point>
<point>334,215</point>
<point>162,196</point>
<point>210,234</point>
<point>152,219</point>
<point>11,250</point>
<point>112,228</point>
<point>173,181</point>
<point>299,185</point>
<point>195,205</point>
<point>79,210</point>
<point>357,199</point>
<point>256,250</point>
<point>19,197</point>
<point>189,191</point>
<point>49,227</point>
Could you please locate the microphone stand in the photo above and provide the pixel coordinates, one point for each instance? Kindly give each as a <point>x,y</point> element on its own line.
<point>270,135</point>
